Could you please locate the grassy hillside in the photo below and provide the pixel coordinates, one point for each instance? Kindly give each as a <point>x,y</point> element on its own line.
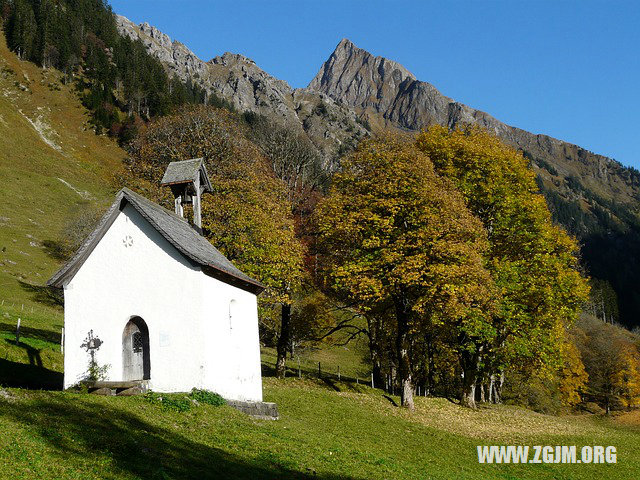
<point>328,428</point>
<point>51,164</point>
<point>325,431</point>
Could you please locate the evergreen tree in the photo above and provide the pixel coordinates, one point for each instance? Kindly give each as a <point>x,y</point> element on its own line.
<point>23,30</point>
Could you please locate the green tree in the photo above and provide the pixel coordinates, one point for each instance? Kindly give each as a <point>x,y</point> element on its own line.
<point>22,29</point>
<point>398,238</point>
<point>532,261</point>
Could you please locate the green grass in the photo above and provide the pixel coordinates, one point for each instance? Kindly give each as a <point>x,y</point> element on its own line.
<point>350,358</point>
<point>322,433</point>
<point>36,201</point>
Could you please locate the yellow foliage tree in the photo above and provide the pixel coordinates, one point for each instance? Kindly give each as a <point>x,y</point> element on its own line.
<point>627,376</point>
<point>398,238</point>
<point>573,376</point>
<point>533,262</point>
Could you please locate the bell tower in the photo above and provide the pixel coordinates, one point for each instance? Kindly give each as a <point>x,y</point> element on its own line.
<point>188,180</point>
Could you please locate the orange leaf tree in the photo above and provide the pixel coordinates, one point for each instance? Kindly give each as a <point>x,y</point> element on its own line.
<point>398,238</point>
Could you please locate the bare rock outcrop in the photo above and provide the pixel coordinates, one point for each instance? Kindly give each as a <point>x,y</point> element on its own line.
<point>390,96</point>
<point>331,127</point>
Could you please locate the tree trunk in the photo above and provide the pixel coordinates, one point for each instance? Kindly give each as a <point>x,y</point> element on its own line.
<point>431,367</point>
<point>404,361</point>
<point>497,388</point>
<point>469,363</point>
<point>283,340</point>
<point>492,385</point>
<point>374,350</point>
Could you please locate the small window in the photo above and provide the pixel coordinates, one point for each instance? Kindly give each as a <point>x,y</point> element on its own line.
<point>136,340</point>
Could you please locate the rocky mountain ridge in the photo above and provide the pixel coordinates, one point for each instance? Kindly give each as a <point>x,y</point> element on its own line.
<point>354,89</point>
<point>390,96</point>
<point>331,127</point>
<point>594,197</point>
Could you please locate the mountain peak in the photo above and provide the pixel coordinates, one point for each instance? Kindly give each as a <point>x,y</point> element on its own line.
<point>345,44</point>
<point>352,73</point>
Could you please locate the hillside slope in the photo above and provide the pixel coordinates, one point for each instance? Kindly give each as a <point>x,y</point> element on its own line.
<point>52,166</point>
<point>67,435</point>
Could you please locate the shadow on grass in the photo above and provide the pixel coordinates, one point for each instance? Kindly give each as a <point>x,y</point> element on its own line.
<point>393,402</point>
<point>56,249</point>
<point>33,376</point>
<point>52,297</point>
<point>80,430</point>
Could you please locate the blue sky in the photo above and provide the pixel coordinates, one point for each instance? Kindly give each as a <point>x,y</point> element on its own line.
<point>569,69</point>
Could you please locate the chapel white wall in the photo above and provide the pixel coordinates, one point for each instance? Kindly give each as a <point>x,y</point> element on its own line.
<point>186,312</point>
<point>232,351</point>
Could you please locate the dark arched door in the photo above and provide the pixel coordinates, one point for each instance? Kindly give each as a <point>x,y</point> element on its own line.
<point>136,364</point>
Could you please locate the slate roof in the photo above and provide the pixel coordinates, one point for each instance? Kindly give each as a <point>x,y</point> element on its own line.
<point>186,171</point>
<point>174,229</point>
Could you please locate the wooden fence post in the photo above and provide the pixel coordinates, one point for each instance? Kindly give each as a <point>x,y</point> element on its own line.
<point>18,331</point>
<point>372,380</point>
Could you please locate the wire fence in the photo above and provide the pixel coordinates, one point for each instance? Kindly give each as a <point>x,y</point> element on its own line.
<point>333,373</point>
<point>16,320</point>
<point>17,306</point>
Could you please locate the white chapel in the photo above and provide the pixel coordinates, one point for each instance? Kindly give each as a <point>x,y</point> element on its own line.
<point>163,305</point>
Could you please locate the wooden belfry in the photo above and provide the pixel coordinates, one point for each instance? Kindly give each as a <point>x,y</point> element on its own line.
<point>188,180</point>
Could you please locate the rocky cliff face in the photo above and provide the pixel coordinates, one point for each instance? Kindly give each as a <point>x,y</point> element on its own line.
<point>390,96</point>
<point>332,128</point>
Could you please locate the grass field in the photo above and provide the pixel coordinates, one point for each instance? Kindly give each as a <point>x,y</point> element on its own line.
<point>328,428</point>
<point>325,431</point>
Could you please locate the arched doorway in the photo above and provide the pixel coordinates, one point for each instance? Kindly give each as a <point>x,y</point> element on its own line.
<point>136,363</point>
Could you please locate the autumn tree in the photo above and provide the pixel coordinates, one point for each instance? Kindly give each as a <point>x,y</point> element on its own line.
<point>398,238</point>
<point>293,158</point>
<point>573,376</point>
<point>248,217</point>
<point>612,360</point>
<point>627,378</point>
<point>532,261</point>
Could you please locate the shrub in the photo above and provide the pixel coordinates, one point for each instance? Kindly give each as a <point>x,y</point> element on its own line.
<point>208,397</point>
<point>170,402</point>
